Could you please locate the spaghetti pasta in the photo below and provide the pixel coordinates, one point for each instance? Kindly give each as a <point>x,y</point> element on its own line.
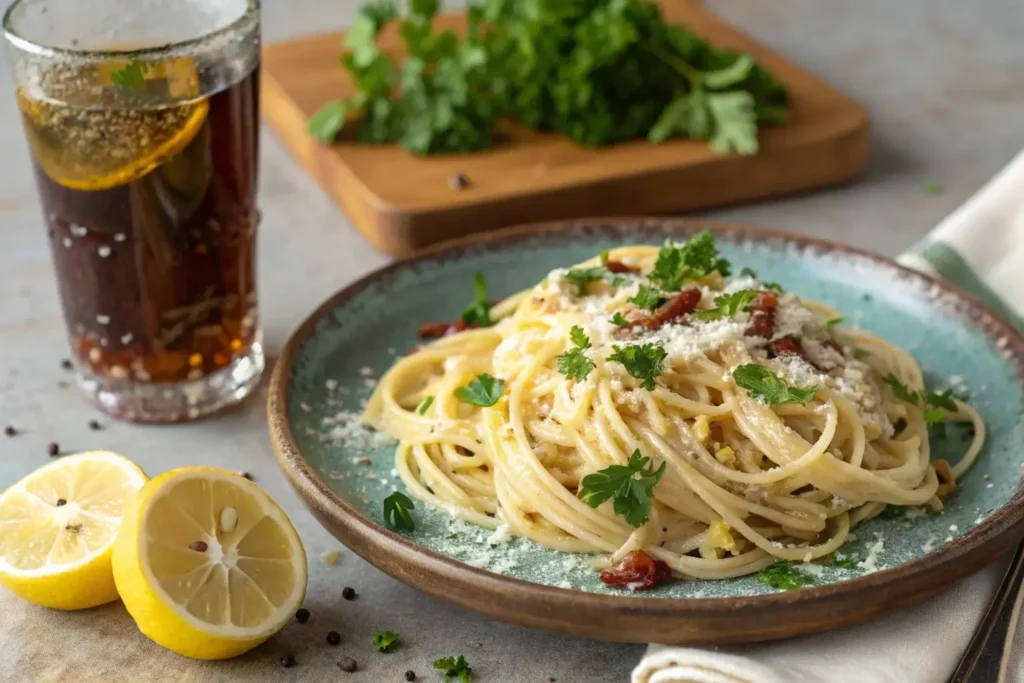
<point>646,351</point>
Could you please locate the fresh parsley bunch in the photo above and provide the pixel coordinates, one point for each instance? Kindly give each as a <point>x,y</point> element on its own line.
<point>597,71</point>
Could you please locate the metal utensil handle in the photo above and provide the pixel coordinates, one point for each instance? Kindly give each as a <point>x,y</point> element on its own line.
<point>987,656</point>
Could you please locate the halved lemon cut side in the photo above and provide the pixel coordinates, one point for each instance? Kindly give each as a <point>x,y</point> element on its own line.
<point>207,564</point>
<point>58,526</point>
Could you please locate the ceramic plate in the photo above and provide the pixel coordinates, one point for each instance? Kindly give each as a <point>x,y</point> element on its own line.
<point>330,363</point>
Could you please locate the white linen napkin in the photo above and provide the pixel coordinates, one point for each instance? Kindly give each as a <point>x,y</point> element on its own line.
<point>980,248</point>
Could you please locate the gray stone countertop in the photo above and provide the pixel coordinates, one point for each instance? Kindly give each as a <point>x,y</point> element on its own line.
<point>943,82</point>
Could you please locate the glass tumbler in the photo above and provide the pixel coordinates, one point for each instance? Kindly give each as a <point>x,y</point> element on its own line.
<point>142,121</point>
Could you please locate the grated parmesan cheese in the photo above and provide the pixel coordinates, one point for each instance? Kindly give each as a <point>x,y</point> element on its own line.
<point>870,563</point>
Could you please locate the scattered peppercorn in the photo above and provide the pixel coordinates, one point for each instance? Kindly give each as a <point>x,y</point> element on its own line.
<point>458,181</point>
<point>9,430</point>
<point>95,426</point>
<point>53,448</point>
<point>288,661</point>
<point>244,475</point>
<point>410,675</point>
<point>348,593</point>
<point>61,501</point>
<point>302,616</point>
<point>333,637</point>
<point>65,363</point>
<point>198,546</point>
<point>348,664</point>
<point>62,384</point>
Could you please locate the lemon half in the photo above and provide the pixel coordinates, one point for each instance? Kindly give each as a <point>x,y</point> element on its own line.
<point>58,525</point>
<point>207,564</point>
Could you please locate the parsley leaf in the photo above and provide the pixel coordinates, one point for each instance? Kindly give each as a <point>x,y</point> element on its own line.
<point>935,416</point>
<point>131,77</point>
<point>933,187</point>
<point>396,512</point>
<point>773,287</point>
<point>861,354</point>
<point>692,260</point>
<point>327,121</point>
<point>630,487</point>
<point>424,405</point>
<point>727,305</point>
<point>455,666</point>
<point>581,277</point>
<point>604,258</point>
<point>760,382</point>
<point>479,310</point>
<point>619,319</point>
<point>943,400</point>
<point>574,363</point>
<point>579,337</point>
<point>386,641</point>
<point>644,362</point>
<point>735,122</point>
<point>647,298</point>
<point>783,576</point>
<point>749,272</point>
<point>829,324</point>
<point>901,391</point>
<point>484,391</point>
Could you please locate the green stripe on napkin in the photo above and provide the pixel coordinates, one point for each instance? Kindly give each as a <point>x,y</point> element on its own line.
<point>950,266</point>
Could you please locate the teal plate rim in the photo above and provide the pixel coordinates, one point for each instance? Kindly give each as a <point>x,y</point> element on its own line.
<point>628,618</point>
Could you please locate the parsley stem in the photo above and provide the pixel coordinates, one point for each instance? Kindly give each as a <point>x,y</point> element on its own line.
<point>691,74</point>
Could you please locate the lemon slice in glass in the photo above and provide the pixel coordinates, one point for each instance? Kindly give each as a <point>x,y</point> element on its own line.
<point>89,142</point>
<point>58,525</point>
<point>207,564</point>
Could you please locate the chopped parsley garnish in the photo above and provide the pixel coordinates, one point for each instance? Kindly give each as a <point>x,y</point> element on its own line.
<point>479,311</point>
<point>454,666</point>
<point>647,298</point>
<point>424,405</point>
<point>630,487</point>
<point>900,390</point>
<point>604,258</point>
<point>773,287</point>
<point>619,319</point>
<point>727,305</point>
<point>484,391</point>
<point>762,383</point>
<point>861,354</point>
<point>579,337</point>
<point>386,641</point>
<point>574,363</point>
<point>396,512</point>
<point>643,361</point>
<point>932,188</point>
<point>784,577</point>
<point>692,260</point>
<point>131,77</point>
<point>749,272</point>
<point>581,277</point>
<point>936,406</point>
<point>829,324</point>
<point>844,561</point>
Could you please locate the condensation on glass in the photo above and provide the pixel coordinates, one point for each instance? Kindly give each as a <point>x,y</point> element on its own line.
<point>142,121</point>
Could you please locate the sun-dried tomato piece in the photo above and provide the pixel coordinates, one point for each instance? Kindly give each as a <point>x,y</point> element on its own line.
<point>637,571</point>
<point>682,303</point>
<point>787,346</point>
<point>620,267</point>
<point>762,316</point>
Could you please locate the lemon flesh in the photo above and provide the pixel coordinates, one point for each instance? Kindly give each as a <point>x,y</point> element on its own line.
<point>207,564</point>
<point>58,525</point>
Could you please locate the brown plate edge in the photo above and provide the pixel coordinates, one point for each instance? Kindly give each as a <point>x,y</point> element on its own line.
<point>637,619</point>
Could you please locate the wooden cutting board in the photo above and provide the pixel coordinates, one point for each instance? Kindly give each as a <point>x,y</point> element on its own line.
<point>402,203</point>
